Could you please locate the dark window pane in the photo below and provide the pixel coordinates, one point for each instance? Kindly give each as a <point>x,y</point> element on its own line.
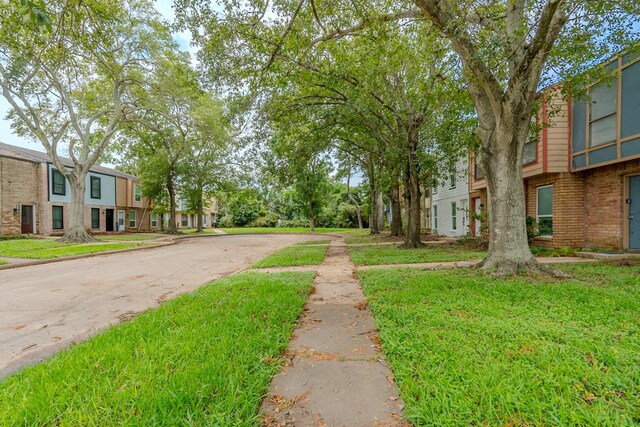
<point>95,187</point>
<point>58,222</point>
<point>545,226</point>
<point>58,183</point>
<point>95,218</point>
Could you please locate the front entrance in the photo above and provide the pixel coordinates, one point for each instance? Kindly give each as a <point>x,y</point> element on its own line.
<point>477,211</point>
<point>27,219</point>
<point>634,212</point>
<point>108,217</point>
<point>121,221</point>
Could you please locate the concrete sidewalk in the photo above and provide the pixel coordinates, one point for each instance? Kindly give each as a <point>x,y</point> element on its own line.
<point>336,375</point>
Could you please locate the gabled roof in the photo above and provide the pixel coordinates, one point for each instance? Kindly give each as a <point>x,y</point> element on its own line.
<point>13,151</point>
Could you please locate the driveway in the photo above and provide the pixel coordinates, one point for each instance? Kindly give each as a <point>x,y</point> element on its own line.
<point>47,307</point>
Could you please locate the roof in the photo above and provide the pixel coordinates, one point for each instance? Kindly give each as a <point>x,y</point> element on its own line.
<point>13,151</point>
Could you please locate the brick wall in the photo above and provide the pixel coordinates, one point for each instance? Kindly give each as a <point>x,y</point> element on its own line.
<point>18,186</point>
<point>605,209</point>
<point>568,208</point>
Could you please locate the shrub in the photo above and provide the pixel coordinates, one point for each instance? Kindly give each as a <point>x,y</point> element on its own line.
<point>268,220</point>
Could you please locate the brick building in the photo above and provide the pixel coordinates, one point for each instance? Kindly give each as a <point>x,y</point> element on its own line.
<point>582,170</point>
<point>35,196</point>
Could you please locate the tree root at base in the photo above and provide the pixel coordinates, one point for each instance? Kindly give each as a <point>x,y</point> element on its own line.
<point>511,268</point>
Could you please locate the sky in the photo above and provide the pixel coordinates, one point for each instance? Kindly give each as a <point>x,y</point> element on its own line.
<point>8,137</point>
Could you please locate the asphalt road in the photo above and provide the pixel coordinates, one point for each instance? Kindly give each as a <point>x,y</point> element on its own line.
<point>45,308</point>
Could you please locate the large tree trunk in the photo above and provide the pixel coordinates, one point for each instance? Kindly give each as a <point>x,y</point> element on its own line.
<point>501,161</point>
<point>412,192</point>
<point>396,210</point>
<point>171,227</point>
<point>354,201</point>
<point>380,212</point>
<point>200,211</point>
<point>312,217</point>
<point>374,223</point>
<point>75,231</point>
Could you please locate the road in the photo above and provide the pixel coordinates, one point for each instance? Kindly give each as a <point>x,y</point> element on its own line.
<point>45,308</point>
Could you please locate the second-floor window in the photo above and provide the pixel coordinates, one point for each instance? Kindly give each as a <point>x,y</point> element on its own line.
<point>137,193</point>
<point>477,169</point>
<point>96,188</point>
<point>452,178</point>
<point>58,183</point>
<point>435,217</point>
<point>602,114</point>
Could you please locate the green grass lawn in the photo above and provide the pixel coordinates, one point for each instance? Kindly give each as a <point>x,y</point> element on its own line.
<point>269,230</point>
<point>129,237</point>
<point>205,358</point>
<point>467,349</point>
<point>392,254</point>
<point>193,230</point>
<point>372,238</point>
<point>47,249</point>
<point>294,256</point>
<point>313,242</point>
<point>3,262</point>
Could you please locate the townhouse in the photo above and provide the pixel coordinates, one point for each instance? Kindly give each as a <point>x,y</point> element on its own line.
<point>449,201</point>
<point>188,218</point>
<point>35,196</point>
<point>582,169</point>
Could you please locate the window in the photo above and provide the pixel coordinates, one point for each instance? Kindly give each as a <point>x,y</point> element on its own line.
<point>57,215</point>
<point>58,183</point>
<point>435,217</point>
<point>96,188</point>
<point>529,152</point>
<point>544,210</point>
<point>478,170</point>
<point>137,194</point>
<point>452,178</point>
<point>154,219</point>
<point>454,216</point>
<point>95,218</point>
<point>427,216</point>
<point>184,220</point>
<point>132,219</point>
<point>435,189</point>
<point>602,114</point>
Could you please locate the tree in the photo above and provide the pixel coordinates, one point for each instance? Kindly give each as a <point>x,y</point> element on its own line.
<point>163,129</point>
<point>209,154</point>
<point>69,86</point>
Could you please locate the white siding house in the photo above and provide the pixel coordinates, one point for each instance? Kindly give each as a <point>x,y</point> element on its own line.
<point>450,203</point>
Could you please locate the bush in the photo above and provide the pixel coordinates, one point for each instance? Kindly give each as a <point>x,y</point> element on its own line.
<point>532,229</point>
<point>293,223</point>
<point>268,220</point>
<point>225,222</point>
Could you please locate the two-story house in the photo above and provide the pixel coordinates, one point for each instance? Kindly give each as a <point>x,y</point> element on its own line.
<point>581,171</point>
<point>450,202</point>
<point>35,196</point>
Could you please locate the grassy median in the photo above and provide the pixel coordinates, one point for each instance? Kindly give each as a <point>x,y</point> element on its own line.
<point>467,349</point>
<point>47,248</point>
<point>205,358</point>
<point>294,256</point>
<point>393,254</point>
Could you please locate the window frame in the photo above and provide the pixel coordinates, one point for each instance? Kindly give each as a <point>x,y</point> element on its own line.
<point>184,220</point>
<point>135,218</point>
<point>154,219</point>
<point>453,178</point>
<point>435,217</point>
<point>93,224</point>
<point>53,217</point>
<point>95,179</point>
<point>54,173</point>
<point>137,193</point>
<point>454,216</point>
<point>538,216</point>
<point>614,114</point>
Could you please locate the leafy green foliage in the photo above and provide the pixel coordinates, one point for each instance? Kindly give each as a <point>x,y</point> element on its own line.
<point>205,358</point>
<point>467,349</point>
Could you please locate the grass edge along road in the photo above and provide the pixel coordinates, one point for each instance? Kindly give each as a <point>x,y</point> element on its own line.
<point>205,358</point>
<point>467,349</point>
<point>50,249</point>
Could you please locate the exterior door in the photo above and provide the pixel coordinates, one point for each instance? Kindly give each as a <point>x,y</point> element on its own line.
<point>121,218</point>
<point>109,219</point>
<point>634,212</point>
<point>478,211</point>
<point>27,219</point>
